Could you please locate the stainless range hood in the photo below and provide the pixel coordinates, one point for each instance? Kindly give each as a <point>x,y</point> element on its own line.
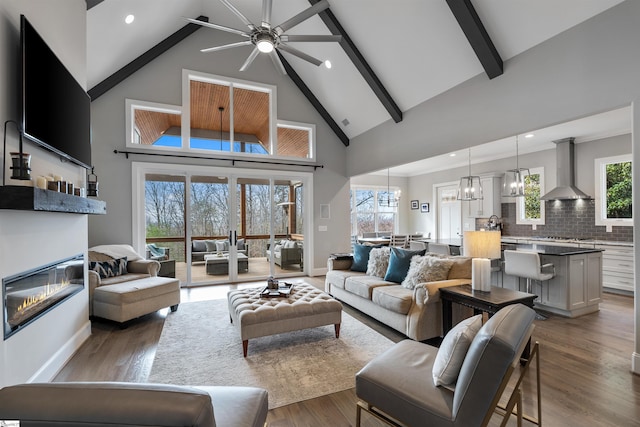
<point>565,174</point>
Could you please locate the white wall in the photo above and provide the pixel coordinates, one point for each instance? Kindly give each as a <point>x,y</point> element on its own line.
<point>160,81</point>
<point>31,239</point>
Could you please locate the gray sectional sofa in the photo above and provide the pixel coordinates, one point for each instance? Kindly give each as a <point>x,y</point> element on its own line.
<point>417,312</point>
<point>200,248</point>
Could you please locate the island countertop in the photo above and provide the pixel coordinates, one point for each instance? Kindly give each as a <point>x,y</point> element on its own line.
<point>549,249</point>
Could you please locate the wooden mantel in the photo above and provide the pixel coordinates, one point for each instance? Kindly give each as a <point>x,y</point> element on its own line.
<point>35,199</point>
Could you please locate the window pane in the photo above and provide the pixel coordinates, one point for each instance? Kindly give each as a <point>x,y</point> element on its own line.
<point>532,196</point>
<point>365,201</point>
<point>251,120</point>
<point>209,106</point>
<point>293,142</point>
<point>156,128</point>
<point>386,222</point>
<point>618,186</point>
<point>366,223</point>
<point>164,213</point>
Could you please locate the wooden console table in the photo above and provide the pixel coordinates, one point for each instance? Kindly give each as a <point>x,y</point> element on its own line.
<point>487,302</point>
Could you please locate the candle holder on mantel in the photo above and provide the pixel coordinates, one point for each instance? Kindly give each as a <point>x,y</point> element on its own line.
<point>20,161</point>
<point>92,184</point>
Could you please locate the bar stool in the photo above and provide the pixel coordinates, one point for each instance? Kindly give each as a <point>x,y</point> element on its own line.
<point>526,264</point>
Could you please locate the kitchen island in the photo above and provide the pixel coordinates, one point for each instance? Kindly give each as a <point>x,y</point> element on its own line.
<point>576,288</point>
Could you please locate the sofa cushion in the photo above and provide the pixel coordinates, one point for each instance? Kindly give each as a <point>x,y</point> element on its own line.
<point>453,350</point>
<point>211,245</point>
<point>136,290</point>
<point>363,285</point>
<point>378,261</point>
<point>241,244</point>
<point>423,269</point>
<point>114,267</point>
<point>198,246</point>
<point>123,278</point>
<point>361,257</point>
<point>461,268</point>
<point>399,262</point>
<point>393,298</point>
<point>338,277</point>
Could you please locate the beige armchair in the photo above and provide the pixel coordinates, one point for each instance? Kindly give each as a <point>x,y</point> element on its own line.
<point>120,294</point>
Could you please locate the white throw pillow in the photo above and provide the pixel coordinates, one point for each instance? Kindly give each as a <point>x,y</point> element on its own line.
<point>424,269</point>
<point>453,350</point>
<point>378,261</point>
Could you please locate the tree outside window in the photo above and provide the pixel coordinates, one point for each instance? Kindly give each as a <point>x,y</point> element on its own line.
<point>618,190</point>
<point>530,209</point>
<point>613,198</point>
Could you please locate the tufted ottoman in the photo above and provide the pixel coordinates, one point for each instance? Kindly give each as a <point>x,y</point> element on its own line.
<point>256,316</point>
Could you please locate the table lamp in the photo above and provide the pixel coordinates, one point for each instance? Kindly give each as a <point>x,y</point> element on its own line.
<point>482,246</point>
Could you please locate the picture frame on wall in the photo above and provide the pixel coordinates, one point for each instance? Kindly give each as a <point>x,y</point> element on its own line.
<point>415,204</point>
<point>424,207</point>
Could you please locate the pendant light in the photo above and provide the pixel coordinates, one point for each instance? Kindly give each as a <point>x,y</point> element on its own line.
<point>513,181</point>
<point>470,187</point>
<point>389,200</point>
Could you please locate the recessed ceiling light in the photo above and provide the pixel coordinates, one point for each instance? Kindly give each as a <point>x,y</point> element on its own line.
<point>452,155</point>
<point>529,135</point>
<point>327,64</point>
<point>129,19</point>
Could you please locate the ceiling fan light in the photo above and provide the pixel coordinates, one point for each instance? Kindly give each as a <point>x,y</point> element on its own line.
<point>265,46</point>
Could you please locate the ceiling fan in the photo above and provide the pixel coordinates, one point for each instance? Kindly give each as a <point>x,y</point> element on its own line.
<point>267,38</point>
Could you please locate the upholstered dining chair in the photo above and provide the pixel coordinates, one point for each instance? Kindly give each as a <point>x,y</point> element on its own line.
<point>398,388</point>
<point>439,248</point>
<point>398,240</point>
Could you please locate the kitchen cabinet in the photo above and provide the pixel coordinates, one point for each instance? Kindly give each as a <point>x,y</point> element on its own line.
<point>576,288</point>
<point>617,267</point>
<point>491,203</point>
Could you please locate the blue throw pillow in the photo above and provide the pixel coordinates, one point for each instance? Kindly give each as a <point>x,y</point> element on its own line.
<point>361,257</point>
<point>399,262</point>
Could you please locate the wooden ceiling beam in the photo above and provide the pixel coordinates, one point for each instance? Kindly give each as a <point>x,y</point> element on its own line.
<point>360,63</point>
<point>92,3</point>
<point>477,35</point>
<point>142,60</point>
<point>313,100</point>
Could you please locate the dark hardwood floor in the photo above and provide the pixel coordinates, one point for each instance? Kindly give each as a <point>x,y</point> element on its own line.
<point>585,364</point>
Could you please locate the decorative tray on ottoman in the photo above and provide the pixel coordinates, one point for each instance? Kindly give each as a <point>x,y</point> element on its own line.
<point>284,290</point>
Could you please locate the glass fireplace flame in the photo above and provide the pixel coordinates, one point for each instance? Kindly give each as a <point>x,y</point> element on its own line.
<point>30,294</point>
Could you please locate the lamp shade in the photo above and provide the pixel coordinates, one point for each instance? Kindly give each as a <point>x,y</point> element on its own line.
<point>482,244</point>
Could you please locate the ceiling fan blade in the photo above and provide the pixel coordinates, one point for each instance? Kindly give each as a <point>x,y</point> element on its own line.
<point>300,54</point>
<point>239,14</point>
<point>226,46</point>
<point>302,16</point>
<point>266,13</point>
<point>277,62</point>
<point>218,27</point>
<point>250,59</point>
<point>302,38</point>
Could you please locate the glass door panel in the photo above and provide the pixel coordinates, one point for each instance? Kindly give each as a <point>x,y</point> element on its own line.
<point>165,223</point>
<point>254,226</point>
<point>209,217</point>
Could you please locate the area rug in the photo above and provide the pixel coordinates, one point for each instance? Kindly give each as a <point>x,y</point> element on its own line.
<point>199,346</point>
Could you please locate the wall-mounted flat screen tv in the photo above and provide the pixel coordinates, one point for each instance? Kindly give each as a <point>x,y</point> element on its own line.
<point>56,110</point>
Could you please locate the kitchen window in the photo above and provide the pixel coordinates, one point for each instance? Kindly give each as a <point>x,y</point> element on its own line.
<point>613,196</point>
<point>530,209</point>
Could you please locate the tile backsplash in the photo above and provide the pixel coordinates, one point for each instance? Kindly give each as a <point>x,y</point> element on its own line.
<point>566,218</point>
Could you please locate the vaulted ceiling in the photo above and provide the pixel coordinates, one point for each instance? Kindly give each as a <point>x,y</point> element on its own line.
<point>416,49</point>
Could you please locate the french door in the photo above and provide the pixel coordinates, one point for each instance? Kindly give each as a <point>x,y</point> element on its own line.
<point>223,225</point>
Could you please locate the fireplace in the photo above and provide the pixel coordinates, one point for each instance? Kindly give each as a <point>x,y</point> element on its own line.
<point>30,294</point>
